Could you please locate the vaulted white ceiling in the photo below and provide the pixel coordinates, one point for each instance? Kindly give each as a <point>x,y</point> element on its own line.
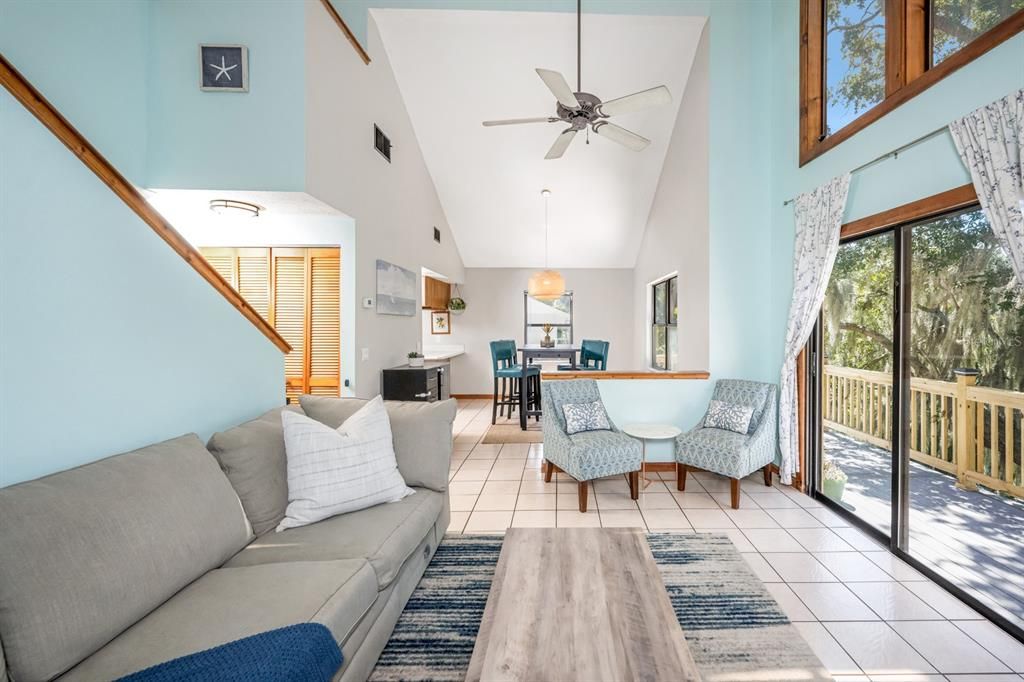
<point>456,69</point>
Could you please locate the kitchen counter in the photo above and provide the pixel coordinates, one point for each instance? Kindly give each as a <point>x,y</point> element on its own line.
<point>442,352</point>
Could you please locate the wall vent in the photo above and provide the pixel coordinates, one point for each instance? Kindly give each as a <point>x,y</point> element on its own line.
<point>381,143</point>
<point>437,235</point>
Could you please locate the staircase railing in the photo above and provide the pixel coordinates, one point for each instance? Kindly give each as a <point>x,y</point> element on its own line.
<point>966,430</point>
<point>38,106</point>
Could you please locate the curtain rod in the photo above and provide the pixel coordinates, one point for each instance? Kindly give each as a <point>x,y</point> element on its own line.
<point>890,154</point>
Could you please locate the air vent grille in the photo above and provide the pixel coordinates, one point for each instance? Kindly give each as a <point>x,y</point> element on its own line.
<point>437,235</point>
<point>382,143</point>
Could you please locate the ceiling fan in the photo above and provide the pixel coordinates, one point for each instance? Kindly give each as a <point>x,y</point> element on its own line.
<point>582,109</point>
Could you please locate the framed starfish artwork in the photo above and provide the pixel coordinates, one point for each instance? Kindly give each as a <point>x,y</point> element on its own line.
<point>223,68</point>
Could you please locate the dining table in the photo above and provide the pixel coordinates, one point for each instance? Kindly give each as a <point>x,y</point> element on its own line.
<point>535,351</point>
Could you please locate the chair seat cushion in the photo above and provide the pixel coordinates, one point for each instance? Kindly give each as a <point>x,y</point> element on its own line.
<point>516,372</point>
<point>603,453</point>
<point>227,604</point>
<point>385,535</point>
<point>716,450</point>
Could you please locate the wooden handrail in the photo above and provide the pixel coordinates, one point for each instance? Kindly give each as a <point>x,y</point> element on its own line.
<point>48,115</point>
<point>346,30</point>
<point>639,374</point>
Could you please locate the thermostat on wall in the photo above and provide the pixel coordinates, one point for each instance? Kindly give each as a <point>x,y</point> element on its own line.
<point>368,302</point>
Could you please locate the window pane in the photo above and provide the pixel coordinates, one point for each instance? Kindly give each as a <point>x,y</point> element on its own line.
<point>856,392</point>
<point>966,314</point>
<point>548,312</point>
<point>659,302</point>
<point>957,22</point>
<point>658,345</point>
<point>673,305</point>
<point>854,59</point>
<point>673,349</point>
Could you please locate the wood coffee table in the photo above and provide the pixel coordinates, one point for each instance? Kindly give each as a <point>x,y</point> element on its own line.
<point>584,604</point>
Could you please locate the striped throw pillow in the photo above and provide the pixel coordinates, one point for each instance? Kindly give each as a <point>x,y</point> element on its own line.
<point>333,472</point>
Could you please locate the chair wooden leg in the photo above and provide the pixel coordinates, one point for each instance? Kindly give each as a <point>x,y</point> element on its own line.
<point>504,400</point>
<point>680,476</point>
<point>734,487</point>
<point>768,475</point>
<point>549,469</point>
<point>634,484</point>
<point>583,496</point>
<point>494,404</point>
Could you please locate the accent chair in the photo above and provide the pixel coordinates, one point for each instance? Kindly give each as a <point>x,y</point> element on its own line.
<point>590,454</point>
<point>728,453</point>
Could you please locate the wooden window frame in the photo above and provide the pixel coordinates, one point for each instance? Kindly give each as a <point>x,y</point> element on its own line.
<point>907,74</point>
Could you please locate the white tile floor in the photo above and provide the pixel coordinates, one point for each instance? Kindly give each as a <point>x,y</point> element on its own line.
<point>867,615</point>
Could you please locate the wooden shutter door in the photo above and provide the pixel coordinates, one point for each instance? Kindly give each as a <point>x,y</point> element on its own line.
<point>324,322</point>
<point>252,278</point>
<point>288,314</point>
<point>223,261</point>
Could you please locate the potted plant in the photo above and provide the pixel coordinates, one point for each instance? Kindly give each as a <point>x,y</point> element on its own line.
<point>547,341</point>
<point>415,359</point>
<point>456,305</point>
<point>833,480</point>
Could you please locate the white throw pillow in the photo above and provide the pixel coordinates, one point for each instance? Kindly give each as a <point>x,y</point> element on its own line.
<point>728,416</point>
<point>580,417</point>
<point>333,472</point>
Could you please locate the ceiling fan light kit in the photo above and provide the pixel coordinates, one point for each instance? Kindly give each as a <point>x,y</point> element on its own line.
<point>582,109</point>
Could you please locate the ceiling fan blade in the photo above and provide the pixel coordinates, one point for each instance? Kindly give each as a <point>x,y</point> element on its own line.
<point>516,121</point>
<point>559,88</point>
<point>621,135</point>
<point>635,102</point>
<point>561,144</point>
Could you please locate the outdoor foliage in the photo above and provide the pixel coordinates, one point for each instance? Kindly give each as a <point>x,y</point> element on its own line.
<point>966,310</point>
<point>855,39</point>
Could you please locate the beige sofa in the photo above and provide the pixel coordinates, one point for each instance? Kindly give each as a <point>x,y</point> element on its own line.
<point>167,550</point>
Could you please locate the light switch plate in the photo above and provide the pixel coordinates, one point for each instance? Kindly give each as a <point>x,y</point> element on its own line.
<point>366,353</point>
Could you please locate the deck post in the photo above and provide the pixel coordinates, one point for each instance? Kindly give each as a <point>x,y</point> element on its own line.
<point>964,429</point>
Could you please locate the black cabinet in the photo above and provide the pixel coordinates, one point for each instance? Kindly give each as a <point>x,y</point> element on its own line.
<point>428,383</point>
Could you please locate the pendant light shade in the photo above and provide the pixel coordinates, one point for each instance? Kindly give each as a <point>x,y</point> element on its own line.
<point>546,285</point>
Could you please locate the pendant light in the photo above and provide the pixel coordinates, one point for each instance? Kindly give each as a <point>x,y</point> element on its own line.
<point>546,285</point>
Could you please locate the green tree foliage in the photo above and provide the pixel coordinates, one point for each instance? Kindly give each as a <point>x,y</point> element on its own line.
<point>966,310</point>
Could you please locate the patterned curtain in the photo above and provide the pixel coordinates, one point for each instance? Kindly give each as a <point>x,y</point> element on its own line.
<point>819,215</point>
<point>990,141</point>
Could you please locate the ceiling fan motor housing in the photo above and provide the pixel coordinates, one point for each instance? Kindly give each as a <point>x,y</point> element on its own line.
<point>582,116</point>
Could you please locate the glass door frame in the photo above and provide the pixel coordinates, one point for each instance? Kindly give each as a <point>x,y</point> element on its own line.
<point>897,541</point>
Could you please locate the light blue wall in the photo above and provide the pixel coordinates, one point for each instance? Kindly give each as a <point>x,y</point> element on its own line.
<point>89,60</point>
<point>108,339</point>
<point>254,140</point>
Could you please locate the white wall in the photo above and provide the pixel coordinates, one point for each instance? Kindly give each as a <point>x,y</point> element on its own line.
<point>602,309</point>
<point>394,205</point>
<point>676,238</point>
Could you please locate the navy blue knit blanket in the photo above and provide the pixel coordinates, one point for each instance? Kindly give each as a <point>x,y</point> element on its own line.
<point>305,652</point>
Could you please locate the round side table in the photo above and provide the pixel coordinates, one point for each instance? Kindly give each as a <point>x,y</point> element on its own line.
<point>646,432</point>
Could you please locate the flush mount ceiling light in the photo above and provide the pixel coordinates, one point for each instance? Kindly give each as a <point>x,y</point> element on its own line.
<point>546,285</point>
<point>233,207</point>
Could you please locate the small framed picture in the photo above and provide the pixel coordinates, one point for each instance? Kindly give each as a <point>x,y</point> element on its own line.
<point>224,68</point>
<point>440,322</point>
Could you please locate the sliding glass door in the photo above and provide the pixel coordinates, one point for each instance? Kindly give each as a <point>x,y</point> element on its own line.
<point>920,403</point>
<point>856,380</point>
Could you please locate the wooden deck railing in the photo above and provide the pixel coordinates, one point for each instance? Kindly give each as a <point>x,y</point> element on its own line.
<point>969,431</point>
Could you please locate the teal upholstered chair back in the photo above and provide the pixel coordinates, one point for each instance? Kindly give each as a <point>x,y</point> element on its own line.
<point>596,352</point>
<point>754,394</point>
<point>503,354</point>
<point>555,394</point>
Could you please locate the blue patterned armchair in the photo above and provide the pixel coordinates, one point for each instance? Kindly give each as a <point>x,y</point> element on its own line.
<point>588,455</point>
<point>731,454</point>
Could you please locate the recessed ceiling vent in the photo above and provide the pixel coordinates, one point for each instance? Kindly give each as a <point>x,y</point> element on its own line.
<point>381,143</point>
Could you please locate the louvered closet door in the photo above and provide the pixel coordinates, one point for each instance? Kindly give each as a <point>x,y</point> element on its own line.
<point>247,270</point>
<point>288,313</point>
<point>325,322</point>
<point>223,261</point>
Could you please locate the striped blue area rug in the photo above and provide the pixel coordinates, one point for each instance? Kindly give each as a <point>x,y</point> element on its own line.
<point>735,629</point>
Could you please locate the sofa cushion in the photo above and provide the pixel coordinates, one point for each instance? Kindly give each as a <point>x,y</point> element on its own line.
<point>253,457</point>
<point>385,535</point>
<point>422,434</point>
<point>230,603</point>
<point>89,551</point>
